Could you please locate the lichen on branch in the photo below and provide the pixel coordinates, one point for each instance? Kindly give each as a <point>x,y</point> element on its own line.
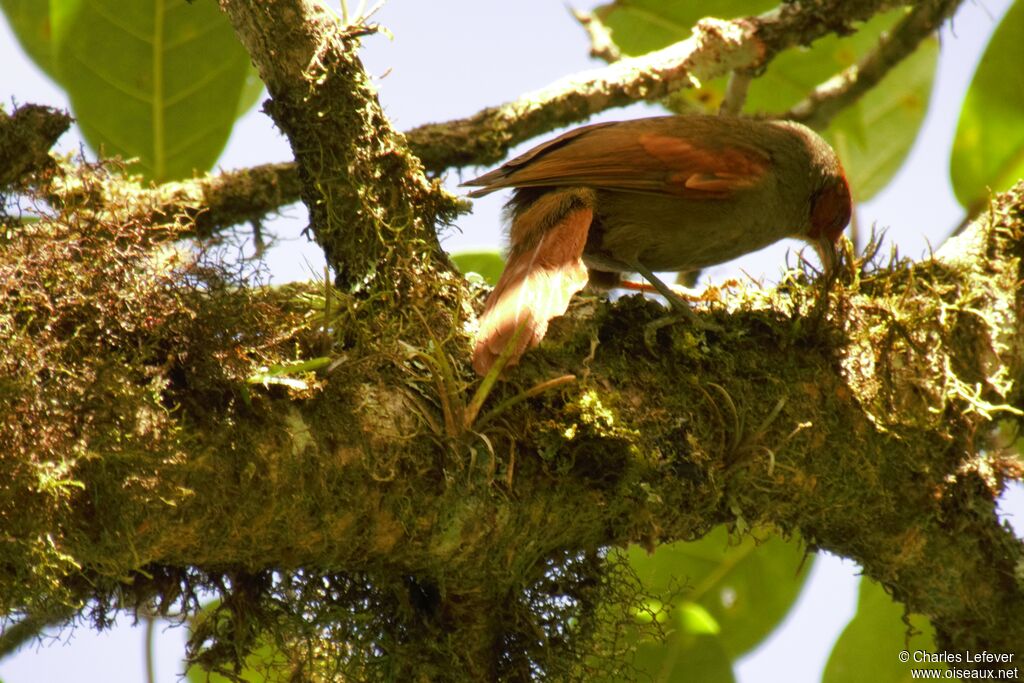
<point>372,209</point>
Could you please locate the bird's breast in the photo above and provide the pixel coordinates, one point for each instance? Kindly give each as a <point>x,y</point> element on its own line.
<point>666,233</point>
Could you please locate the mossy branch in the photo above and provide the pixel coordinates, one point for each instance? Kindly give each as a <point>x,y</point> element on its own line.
<point>372,209</point>
<point>864,431</point>
<point>26,137</point>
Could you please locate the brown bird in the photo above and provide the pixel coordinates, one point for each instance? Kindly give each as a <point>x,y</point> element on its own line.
<point>671,193</point>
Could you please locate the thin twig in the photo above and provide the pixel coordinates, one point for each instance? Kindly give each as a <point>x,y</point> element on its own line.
<point>735,93</point>
<point>602,46</point>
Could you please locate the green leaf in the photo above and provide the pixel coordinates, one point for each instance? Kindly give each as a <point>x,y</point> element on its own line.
<point>870,645</point>
<point>487,264</point>
<point>872,137</point>
<point>988,150</point>
<point>30,21</point>
<point>693,618</point>
<point>727,597</point>
<point>684,658</point>
<point>252,90</point>
<point>160,81</point>
<point>745,588</point>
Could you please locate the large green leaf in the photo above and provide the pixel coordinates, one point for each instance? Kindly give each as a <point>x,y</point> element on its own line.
<point>873,137</point>
<point>745,587</point>
<point>685,658</point>
<point>161,81</point>
<point>988,151</point>
<point>252,90</point>
<point>30,21</point>
<point>870,646</point>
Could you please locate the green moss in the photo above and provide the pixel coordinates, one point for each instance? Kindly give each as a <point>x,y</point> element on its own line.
<point>374,528</point>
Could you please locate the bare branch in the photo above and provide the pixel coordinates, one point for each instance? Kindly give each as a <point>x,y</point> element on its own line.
<point>715,48</point>
<point>601,44</point>
<point>842,90</point>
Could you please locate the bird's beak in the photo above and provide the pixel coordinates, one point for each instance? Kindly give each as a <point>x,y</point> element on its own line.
<point>828,252</point>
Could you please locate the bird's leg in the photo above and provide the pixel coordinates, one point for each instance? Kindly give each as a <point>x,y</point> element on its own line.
<point>684,293</point>
<point>682,309</point>
<point>604,280</point>
<point>674,299</point>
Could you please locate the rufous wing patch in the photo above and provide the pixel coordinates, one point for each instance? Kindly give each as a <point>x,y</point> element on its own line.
<point>539,280</point>
<point>693,168</point>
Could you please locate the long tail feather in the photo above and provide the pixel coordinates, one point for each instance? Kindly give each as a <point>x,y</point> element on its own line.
<point>543,272</point>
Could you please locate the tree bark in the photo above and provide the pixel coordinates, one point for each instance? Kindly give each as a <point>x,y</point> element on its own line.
<point>146,456</point>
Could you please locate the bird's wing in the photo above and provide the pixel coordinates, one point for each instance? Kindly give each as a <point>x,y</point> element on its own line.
<point>667,155</point>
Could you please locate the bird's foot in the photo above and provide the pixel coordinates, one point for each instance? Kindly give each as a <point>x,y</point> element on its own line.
<point>682,310</point>
<point>678,315</point>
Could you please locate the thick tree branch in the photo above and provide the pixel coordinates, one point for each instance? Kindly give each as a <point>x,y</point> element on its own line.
<point>361,184</point>
<point>863,430</point>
